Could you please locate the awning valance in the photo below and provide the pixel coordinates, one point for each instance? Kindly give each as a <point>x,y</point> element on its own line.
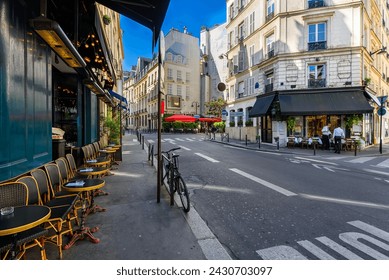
<point>324,103</point>
<point>150,13</point>
<point>261,106</point>
<point>120,98</point>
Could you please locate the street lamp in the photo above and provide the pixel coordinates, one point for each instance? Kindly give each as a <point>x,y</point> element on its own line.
<point>381,110</point>
<point>196,105</point>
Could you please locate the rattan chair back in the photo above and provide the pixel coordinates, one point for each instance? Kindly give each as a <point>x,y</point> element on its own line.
<point>34,196</point>
<point>13,194</point>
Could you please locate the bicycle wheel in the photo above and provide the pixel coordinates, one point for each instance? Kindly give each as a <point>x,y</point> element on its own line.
<point>183,193</point>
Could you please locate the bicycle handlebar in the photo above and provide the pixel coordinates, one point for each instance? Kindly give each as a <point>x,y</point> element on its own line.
<point>171,150</point>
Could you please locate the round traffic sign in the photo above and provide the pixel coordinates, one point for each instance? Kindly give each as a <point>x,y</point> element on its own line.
<point>381,111</point>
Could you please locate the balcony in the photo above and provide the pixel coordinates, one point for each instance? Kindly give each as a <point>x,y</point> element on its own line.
<point>269,16</point>
<point>314,46</point>
<point>315,4</point>
<point>316,83</point>
<point>269,88</point>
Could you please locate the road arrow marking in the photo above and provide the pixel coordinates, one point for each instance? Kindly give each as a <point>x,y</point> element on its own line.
<point>315,160</point>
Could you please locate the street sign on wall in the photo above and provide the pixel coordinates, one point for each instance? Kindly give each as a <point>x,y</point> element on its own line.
<point>381,111</point>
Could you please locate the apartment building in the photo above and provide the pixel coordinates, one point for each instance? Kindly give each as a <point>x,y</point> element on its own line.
<point>214,70</point>
<point>180,82</point>
<point>313,61</point>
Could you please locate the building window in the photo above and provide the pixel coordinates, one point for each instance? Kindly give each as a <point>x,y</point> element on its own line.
<point>317,76</point>
<point>270,46</point>
<point>315,4</point>
<point>173,101</point>
<point>170,74</point>
<point>232,92</point>
<point>187,75</point>
<point>179,75</point>
<point>269,82</point>
<point>232,11</point>
<point>240,89</point>
<point>179,59</point>
<point>251,53</point>
<point>252,22</point>
<point>179,90</point>
<point>269,9</point>
<point>169,57</point>
<point>241,31</point>
<point>169,89</point>
<point>251,86</point>
<point>317,36</point>
<point>241,58</point>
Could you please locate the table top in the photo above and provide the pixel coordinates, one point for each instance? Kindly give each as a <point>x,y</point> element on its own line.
<point>92,170</point>
<point>23,218</point>
<point>84,185</point>
<point>98,162</point>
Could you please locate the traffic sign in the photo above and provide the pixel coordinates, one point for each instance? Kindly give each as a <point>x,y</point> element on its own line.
<point>381,111</point>
<point>224,113</point>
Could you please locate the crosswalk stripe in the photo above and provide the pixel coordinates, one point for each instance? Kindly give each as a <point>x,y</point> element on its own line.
<point>189,139</point>
<point>370,229</point>
<point>385,163</point>
<point>309,246</point>
<point>360,159</point>
<point>206,157</point>
<point>185,148</point>
<point>179,139</point>
<point>338,248</point>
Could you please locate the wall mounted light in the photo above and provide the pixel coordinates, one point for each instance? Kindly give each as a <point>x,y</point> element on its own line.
<point>55,37</point>
<point>379,51</point>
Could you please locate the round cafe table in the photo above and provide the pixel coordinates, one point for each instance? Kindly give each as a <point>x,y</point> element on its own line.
<point>23,218</point>
<point>86,187</point>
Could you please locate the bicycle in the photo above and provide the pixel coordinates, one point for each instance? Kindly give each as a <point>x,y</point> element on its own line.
<point>173,177</point>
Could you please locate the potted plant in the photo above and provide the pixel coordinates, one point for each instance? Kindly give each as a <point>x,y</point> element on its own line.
<point>291,123</point>
<point>106,19</point>
<point>366,81</point>
<point>232,124</point>
<point>249,123</point>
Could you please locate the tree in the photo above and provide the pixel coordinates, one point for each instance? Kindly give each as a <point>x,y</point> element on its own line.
<point>215,107</point>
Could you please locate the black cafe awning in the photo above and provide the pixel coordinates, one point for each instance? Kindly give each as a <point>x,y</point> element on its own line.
<point>339,102</point>
<point>261,106</point>
<point>149,13</point>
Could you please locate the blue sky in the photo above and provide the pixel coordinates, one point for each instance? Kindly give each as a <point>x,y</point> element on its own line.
<point>137,39</point>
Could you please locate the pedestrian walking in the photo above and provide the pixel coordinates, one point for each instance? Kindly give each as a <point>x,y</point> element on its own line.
<point>338,136</point>
<point>326,135</point>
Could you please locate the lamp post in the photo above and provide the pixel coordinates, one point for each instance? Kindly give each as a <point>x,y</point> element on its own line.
<point>381,111</point>
<point>196,105</point>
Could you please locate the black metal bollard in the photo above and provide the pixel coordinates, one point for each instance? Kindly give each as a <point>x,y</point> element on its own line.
<point>259,141</point>
<point>355,148</point>
<point>314,148</point>
<point>143,142</point>
<point>246,139</point>
<point>277,139</point>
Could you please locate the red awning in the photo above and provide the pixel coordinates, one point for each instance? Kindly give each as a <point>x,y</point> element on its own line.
<point>180,118</point>
<point>210,120</point>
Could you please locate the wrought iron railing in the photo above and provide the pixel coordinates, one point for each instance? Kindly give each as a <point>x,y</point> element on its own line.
<point>269,88</point>
<point>316,83</point>
<point>314,46</point>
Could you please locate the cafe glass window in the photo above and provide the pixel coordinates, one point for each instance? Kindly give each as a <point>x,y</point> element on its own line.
<point>174,102</point>
<point>317,75</point>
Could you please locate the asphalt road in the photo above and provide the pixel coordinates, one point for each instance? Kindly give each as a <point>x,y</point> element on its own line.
<point>281,206</point>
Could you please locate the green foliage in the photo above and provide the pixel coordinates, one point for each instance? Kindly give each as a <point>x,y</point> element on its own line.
<point>232,124</point>
<point>353,119</point>
<point>215,107</point>
<point>291,123</point>
<point>249,123</point>
<point>113,127</point>
<point>220,126</point>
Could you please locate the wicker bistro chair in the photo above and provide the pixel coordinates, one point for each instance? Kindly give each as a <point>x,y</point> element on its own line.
<point>60,222</point>
<point>73,168</point>
<point>56,183</point>
<point>18,194</point>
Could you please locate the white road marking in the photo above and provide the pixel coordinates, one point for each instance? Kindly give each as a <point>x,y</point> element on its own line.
<point>280,253</point>
<point>370,229</point>
<point>273,153</point>
<point>360,160</point>
<point>189,139</point>
<point>134,140</point>
<point>315,160</point>
<point>185,148</point>
<point>236,148</point>
<point>377,172</point>
<point>338,248</point>
<point>263,182</point>
<point>179,139</point>
<point>151,141</point>
<point>385,163</point>
<point>337,157</point>
<point>353,238</point>
<point>319,253</point>
<point>206,157</point>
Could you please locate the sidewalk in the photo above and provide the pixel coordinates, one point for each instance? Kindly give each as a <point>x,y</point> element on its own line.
<point>368,151</point>
<point>135,226</point>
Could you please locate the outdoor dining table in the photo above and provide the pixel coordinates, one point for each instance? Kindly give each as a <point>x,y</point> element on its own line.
<point>86,187</point>
<point>23,218</point>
